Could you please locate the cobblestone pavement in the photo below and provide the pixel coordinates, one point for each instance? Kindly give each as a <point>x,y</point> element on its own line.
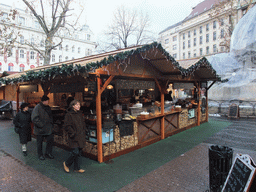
<point>186,173</point>
<point>16,176</point>
<point>190,171</point>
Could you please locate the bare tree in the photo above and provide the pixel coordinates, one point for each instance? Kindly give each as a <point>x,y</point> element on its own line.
<point>52,17</point>
<point>128,28</point>
<point>7,33</point>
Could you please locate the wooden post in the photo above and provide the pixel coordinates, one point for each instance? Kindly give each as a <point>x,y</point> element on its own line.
<point>207,112</point>
<point>162,113</point>
<point>18,98</point>
<point>99,120</point>
<point>199,105</point>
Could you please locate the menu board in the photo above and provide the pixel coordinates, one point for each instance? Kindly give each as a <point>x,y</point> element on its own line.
<point>233,111</point>
<point>241,175</point>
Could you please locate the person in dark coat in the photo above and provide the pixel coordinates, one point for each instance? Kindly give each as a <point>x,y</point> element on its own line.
<point>75,126</point>
<point>23,122</point>
<point>43,126</point>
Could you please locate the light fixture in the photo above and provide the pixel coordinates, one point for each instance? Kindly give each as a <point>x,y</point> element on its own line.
<point>151,89</point>
<point>110,87</point>
<point>86,89</point>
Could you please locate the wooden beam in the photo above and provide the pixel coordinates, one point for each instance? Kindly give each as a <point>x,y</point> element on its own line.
<point>162,113</point>
<point>199,104</point>
<point>106,83</point>
<point>99,121</point>
<point>18,98</point>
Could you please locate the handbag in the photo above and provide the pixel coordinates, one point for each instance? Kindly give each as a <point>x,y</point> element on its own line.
<point>17,129</point>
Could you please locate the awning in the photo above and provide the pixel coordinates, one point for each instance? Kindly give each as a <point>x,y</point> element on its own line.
<point>10,64</point>
<point>32,66</point>
<point>22,65</point>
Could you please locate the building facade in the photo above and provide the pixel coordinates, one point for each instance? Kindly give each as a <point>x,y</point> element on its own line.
<point>206,31</point>
<point>75,44</point>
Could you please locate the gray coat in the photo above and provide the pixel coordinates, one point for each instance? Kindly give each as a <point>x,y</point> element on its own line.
<point>42,119</point>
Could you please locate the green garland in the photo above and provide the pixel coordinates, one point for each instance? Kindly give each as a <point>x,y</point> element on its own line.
<point>68,70</point>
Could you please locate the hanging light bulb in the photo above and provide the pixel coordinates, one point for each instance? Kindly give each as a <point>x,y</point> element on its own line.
<point>110,87</point>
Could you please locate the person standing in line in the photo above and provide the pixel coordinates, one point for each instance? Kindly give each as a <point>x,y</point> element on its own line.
<point>23,122</point>
<point>43,126</point>
<point>70,98</point>
<point>76,128</point>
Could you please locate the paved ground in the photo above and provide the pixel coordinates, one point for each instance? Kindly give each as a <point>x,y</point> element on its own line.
<point>187,173</point>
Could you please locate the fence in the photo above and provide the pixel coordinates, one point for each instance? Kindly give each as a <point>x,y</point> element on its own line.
<point>221,107</point>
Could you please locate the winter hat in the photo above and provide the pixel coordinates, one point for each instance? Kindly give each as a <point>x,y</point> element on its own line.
<point>44,98</point>
<point>23,105</point>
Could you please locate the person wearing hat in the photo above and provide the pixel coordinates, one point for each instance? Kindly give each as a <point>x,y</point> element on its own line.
<point>22,121</point>
<point>43,126</point>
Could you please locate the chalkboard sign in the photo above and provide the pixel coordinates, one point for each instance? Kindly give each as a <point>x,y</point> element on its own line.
<point>233,111</point>
<point>241,175</point>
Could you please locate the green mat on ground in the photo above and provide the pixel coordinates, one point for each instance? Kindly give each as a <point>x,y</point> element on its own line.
<point>127,168</point>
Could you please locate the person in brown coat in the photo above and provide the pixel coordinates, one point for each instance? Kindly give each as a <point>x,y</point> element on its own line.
<point>75,126</point>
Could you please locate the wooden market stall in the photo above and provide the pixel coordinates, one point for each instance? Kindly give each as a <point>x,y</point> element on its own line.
<point>124,96</point>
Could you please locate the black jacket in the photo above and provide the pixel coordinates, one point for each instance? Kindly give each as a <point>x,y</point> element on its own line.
<point>23,121</point>
<point>42,119</point>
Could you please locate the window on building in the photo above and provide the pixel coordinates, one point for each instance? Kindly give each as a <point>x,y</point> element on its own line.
<point>32,55</point>
<point>4,16</point>
<point>42,43</point>
<point>174,47</point>
<point>184,55</point>
<point>166,41</point>
<point>207,38</point>
<point>174,38</point>
<point>22,20</point>
<point>201,40</point>
<point>66,58</point>
<point>188,34</point>
<point>10,67</point>
<point>88,37</point>
<point>22,67</point>
<point>0,66</point>
<point>214,24</point>
<point>73,58</point>
<point>188,43</point>
<point>214,36</point>
<point>201,51</point>
<point>184,45</point>
<point>222,49</point>
<point>221,22</point>
<point>73,49</point>
<point>66,47</point>
<point>194,42</point>
<point>214,48</point>
<point>79,50</point>
<point>222,33</point>
<point>194,32</point>
<point>60,47</point>
<point>22,39</point>
<point>184,36</point>
<point>194,54</point>
<point>89,51</point>
<point>175,55</point>
<point>201,29</point>
<point>21,53</point>
<point>36,24</point>
<point>53,57</point>
<point>207,27</point>
<point>60,58</point>
<point>207,50</point>
<point>189,54</point>
<point>32,41</point>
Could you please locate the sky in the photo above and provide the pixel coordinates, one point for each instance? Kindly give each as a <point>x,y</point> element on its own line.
<point>162,13</point>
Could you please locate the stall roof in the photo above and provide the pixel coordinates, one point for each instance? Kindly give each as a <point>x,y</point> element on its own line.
<point>153,53</point>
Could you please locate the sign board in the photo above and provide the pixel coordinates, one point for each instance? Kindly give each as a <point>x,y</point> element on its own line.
<point>183,85</point>
<point>233,111</point>
<point>241,175</point>
<point>191,113</point>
